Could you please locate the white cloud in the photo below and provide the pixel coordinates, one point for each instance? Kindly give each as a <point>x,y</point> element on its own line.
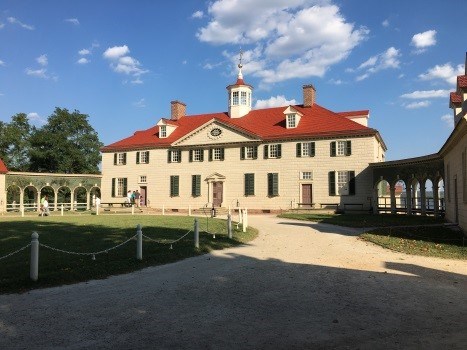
<point>13,20</point>
<point>445,72</point>
<point>121,63</point>
<point>140,104</point>
<point>84,52</point>
<point>35,118</point>
<point>42,60</point>
<point>419,95</point>
<point>385,23</point>
<point>388,59</point>
<point>423,40</point>
<point>277,101</point>
<point>73,21</point>
<point>2,63</point>
<point>2,25</point>
<point>83,60</point>
<point>336,81</point>
<point>415,105</point>
<point>116,52</point>
<point>448,120</point>
<point>40,73</point>
<point>290,38</point>
<point>197,14</point>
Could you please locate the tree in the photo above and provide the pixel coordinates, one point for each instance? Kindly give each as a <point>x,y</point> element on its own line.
<point>14,142</point>
<point>66,144</point>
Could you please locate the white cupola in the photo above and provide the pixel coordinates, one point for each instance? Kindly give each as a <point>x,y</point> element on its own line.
<point>239,95</point>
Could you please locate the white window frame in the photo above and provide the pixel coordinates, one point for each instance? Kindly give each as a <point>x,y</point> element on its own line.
<point>243,98</point>
<point>306,175</point>
<point>235,98</point>
<point>249,152</point>
<point>305,149</point>
<point>174,156</point>
<point>291,121</point>
<point>121,158</point>
<point>342,183</point>
<point>340,148</point>
<point>216,153</point>
<point>273,150</point>
<point>143,179</point>
<point>120,184</point>
<point>144,157</point>
<point>163,131</point>
<point>197,154</point>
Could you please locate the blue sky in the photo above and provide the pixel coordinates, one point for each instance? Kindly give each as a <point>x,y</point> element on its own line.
<point>122,62</point>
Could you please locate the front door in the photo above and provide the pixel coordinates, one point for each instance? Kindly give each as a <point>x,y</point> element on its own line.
<point>217,189</point>
<point>143,195</point>
<point>306,195</point>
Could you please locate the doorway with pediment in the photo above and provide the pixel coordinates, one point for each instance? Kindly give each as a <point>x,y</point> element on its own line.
<point>216,189</point>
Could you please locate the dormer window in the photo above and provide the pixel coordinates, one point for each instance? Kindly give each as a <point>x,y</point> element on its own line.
<point>235,98</point>
<point>243,98</point>
<point>163,131</point>
<point>291,121</point>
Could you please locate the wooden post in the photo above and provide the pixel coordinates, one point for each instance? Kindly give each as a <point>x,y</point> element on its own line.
<point>196,228</point>
<point>34,268</point>
<point>229,225</point>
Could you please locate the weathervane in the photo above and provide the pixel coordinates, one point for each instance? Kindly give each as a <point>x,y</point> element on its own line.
<point>240,59</point>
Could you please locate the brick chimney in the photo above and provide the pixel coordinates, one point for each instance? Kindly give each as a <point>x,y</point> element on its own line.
<point>309,95</point>
<point>178,110</point>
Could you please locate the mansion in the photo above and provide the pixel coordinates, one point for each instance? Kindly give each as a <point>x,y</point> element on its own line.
<point>263,159</point>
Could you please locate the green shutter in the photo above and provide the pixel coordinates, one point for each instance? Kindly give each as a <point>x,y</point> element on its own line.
<point>169,158</point>
<point>242,153</point>
<point>195,185</point>
<point>255,152</point>
<point>312,149</point>
<point>115,158</point>
<point>348,148</point>
<point>273,184</point>
<point>179,155</point>
<point>279,151</point>
<point>137,157</point>
<point>147,157</point>
<point>332,183</point>
<point>174,185</point>
<point>333,149</point>
<point>113,187</point>
<point>249,184</point>
<point>210,154</point>
<point>222,153</point>
<point>299,150</point>
<point>266,151</point>
<point>201,156</point>
<point>190,157</point>
<point>125,186</point>
<point>351,182</point>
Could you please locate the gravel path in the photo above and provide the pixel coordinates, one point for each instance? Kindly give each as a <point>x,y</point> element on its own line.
<point>299,285</point>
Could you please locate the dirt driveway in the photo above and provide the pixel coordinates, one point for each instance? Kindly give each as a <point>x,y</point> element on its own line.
<point>297,286</point>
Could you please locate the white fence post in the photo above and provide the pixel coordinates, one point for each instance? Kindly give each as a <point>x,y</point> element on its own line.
<point>61,209</point>
<point>189,210</point>
<point>34,267</point>
<point>229,225</point>
<point>240,216</point>
<point>97,209</point>
<point>246,217</point>
<point>22,211</point>
<point>132,209</point>
<point>139,242</point>
<point>243,221</point>
<point>163,209</point>
<point>196,233</point>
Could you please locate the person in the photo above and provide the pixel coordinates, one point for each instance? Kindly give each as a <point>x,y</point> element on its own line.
<point>44,207</point>
<point>128,199</point>
<point>137,199</point>
<point>133,198</point>
<point>97,202</point>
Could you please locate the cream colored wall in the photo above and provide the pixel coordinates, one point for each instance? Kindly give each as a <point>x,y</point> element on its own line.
<point>454,160</point>
<point>2,193</point>
<point>158,173</point>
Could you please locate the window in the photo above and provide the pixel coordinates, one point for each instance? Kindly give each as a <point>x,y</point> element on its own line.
<point>243,98</point>
<point>143,179</point>
<point>196,185</point>
<point>196,155</point>
<point>273,184</point>
<point>216,154</point>
<point>291,121</point>
<point>306,149</point>
<point>341,183</point>
<point>162,131</point>
<point>235,98</point>
<point>306,175</point>
<point>174,156</point>
<point>249,184</point>
<point>249,152</point>
<point>174,185</point>
<point>120,158</point>
<point>142,157</point>
<point>119,186</point>
<point>341,148</point>
<point>272,151</point>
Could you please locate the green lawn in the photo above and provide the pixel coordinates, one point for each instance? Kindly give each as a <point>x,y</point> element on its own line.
<point>90,233</point>
<point>436,241</point>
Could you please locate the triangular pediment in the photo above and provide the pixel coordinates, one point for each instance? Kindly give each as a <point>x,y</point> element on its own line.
<point>215,132</point>
<point>215,177</point>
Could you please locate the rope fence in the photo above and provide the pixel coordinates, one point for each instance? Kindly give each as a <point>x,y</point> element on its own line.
<point>35,245</point>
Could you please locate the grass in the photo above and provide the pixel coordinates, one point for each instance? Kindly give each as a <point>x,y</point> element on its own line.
<point>435,241</point>
<point>88,233</point>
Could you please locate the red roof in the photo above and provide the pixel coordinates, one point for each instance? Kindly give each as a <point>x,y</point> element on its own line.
<point>462,81</point>
<point>3,168</point>
<point>455,98</point>
<point>264,124</point>
<point>354,113</point>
